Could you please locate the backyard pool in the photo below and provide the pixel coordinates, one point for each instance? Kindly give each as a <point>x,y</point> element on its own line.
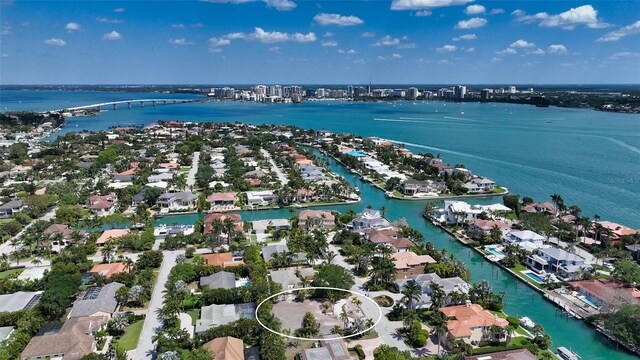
<point>533,276</point>
<point>495,251</point>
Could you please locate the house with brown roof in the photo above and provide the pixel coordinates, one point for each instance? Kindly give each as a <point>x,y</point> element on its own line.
<point>110,235</point>
<point>617,230</point>
<point>102,205</point>
<point>409,264</point>
<point>74,340</point>
<point>310,219</point>
<point>606,292</point>
<point>60,236</point>
<point>390,237</point>
<point>543,207</point>
<point>471,323</point>
<point>108,270</point>
<point>480,226</point>
<point>222,200</point>
<point>222,259</point>
<point>211,218</point>
<point>225,348</point>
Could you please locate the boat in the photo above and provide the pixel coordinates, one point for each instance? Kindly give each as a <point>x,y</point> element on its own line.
<point>549,121</point>
<point>527,323</point>
<point>461,112</point>
<point>567,354</point>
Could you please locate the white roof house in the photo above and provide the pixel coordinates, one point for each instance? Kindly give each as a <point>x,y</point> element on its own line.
<point>264,197</point>
<point>524,235</point>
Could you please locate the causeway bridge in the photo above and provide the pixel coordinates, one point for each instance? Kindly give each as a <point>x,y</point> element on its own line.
<point>130,103</point>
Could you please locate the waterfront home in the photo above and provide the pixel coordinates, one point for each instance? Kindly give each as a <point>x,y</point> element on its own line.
<point>312,219</point>
<point>290,278</point>
<point>311,173</point>
<point>183,200</point>
<point>216,315</point>
<point>11,208</point>
<point>471,323</point>
<point>138,198</point>
<point>269,251</point>
<point>110,235</point>
<point>305,195</point>
<point>222,259</point>
<point>413,187</point>
<point>102,205</point>
<point>219,280</point>
<point>617,231</point>
<point>72,341</point>
<point>519,354</point>
<point>21,300</point>
<point>543,207</point>
<point>261,198</point>
<point>97,302</point>
<point>518,237</point>
<point>60,236</point>
<point>225,348</point>
<point>606,292</point>
<point>483,227</point>
<point>108,270</point>
<point>262,226</point>
<point>409,264</point>
<point>330,349</point>
<point>448,286</point>
<point>368,219</point>
<point>635,251</point>
<point>567,266</point>
<point>389,237</point>
<point>455,212</point>
<point>222,200</point>
<point>479,185</point>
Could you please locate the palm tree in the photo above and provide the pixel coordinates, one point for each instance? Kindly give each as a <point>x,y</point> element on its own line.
<point>411,292</point>
<point>428,209</point>
<point>107,252</point>
<point>331,256</point>
<point>437,296</point>
<point>344,317</point>
<point>439,327</point>
<point>409,319</point>
<point>558,202</point>
<point>228,226</point>
<point>128,264</point>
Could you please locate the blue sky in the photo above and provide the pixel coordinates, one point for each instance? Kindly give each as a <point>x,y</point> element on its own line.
<point>306,42</point>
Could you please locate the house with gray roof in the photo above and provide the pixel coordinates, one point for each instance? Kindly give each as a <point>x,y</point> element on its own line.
<point>5,332</point>
<point>219,280</point>
<point>97,302</point>
<point>368,219</point>
<point>330,349</point>
<point>566,265</point>
<point>269,250</point>
<point>448,286</point>
<point>11,208</point>
<point>216,315</point>
<point>289,278</point>
<point>20,300</point>
<point>183,200</point>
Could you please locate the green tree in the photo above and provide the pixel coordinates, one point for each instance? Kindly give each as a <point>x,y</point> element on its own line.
<point>627,271</point>
<point>333,276</point>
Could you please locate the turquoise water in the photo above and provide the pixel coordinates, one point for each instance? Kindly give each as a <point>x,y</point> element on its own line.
<point>591,158</point>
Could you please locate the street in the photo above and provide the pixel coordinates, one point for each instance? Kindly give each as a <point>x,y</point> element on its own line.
<point>281,176</point>
<point>191,177</point>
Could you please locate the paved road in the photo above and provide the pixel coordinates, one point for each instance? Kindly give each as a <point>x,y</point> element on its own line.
<point>7,248</point>
<point>191,178</point>
<point>281,176</point>
<point>152,324</point>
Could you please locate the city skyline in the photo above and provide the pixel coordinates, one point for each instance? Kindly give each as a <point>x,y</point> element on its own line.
<point>287,42</point>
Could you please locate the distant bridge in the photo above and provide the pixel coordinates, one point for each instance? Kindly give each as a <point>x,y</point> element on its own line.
<point>129,103</point>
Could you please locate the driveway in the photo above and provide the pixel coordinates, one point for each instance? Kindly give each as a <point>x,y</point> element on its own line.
<point>191,177</point>
<point>281,176</point>
<point>152,324</point>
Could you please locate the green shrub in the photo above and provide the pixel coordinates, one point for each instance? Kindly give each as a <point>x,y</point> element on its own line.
<point>513,321</point>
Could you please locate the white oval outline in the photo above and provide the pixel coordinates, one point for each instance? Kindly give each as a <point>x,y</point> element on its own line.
<point>324,338</point>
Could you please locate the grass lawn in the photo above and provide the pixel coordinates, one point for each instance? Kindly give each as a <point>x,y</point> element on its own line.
<point>499,190</point>
<point>254,237</point>
<point>195,315</point>
<point>129,340</point>
<point>10,273</point>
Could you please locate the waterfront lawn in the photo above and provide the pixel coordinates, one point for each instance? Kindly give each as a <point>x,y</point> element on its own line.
<point>499,190</point>
<point>518,268</point>
<point>129,340</point>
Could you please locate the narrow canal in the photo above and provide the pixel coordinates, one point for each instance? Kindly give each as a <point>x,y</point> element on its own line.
<point>520,299</point>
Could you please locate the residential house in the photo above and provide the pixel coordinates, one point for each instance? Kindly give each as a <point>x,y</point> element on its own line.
<point>311,173</point>
<point>413,187</point>
<point>222,259</point>
<point>471,323</point>
<point>102,205</point>
<point>456,212</point>
<point>522,236</point>
<point>311,219</point>
<point>138,198</point>
<point>330,349</point>
<point>543,207</point>
<point>262,226</point>
<point>480,185</point>
<point>606,292</point>
<point>97,302</point>
<point>448,286</point>
<point>213,217</point>
<point>183,200</point>
<point>108,270</point>
<point>481,227</point>
<point>216,315</point>
<point>160,177</point>
<point>567,266</point>
<point>110,235</point>
<point>368,219</point>
<point>269,250</point>
<point>222,200</point>
<point>289,278</point>
<point>74,340</point>
<point>409,264</point>
<point>261,198</point>
<point>11,208</point>
<point>390,237</point>
<point>61,236</point>
<point>617,230</point>
<point>225,348</point>
<point>21,300</point>
<point>219,280</point>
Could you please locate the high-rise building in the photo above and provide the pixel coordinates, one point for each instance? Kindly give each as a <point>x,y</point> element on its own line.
<point>460,91</point>
<point>484,94</point>
<point>350,91</point>
<point>512,89</point>
<point>320,93</point>
<point>413,93</point>
<point>260,90</point>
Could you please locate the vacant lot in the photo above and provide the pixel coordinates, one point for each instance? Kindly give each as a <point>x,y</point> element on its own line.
<point>291,313</point>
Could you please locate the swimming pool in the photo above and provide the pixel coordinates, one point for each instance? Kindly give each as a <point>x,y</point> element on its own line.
<point>495,251</point>
<point>533,276</point>
<point>588,301</point>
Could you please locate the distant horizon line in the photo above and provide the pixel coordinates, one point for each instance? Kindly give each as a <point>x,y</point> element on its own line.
<point>326,84</point>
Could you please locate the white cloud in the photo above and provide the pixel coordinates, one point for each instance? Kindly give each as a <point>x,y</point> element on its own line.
<point>348,52</point>
<point>522,44</point>
<point>387,41</point>
<point>622,32</point>
<point>536,52</point>
<point>197,25</point>
<point>507,51</point>
<point>72,26</point>
<point>447,48</point>
<point>6,30</point>
<point>368,34</point>
<point>108,20</point>
<point>396,56</point>
<point>268,37</point>
<point>444,62</point>
<point>407,46</point>
<point>55,42</point>
<point>337,19</point>
<point>328,34</point>
<point>471,49</point>
<point>216,50</point>
<point>425,4</point>
<point>475,9</point>
<point>114,35</point>
<point>275,49</point>
<point>281,5</point>
<point>218,42</point>
<point>472,23</point>
<point>119,10</point>
<point>180,42</point>
<point>177,26</point>
<point>624,54</point>
<point>423,13</point>
<point>496,11</point>
<point>583,15</point>
<point>359,61</point>
<point>465,37</point>
<point>496,59</point>
<point>557,49</point>
<point>330,43</point>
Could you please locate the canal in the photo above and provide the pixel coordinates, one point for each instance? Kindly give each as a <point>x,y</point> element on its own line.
<point>520,300</point>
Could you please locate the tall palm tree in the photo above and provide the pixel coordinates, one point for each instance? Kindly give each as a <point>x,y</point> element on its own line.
<point>437,296</point>
<point>439,327</point>
<point>411,293</point>
<point>409,319</point>
<point>344,317</point>
<point>330,257</point>
<point>558,202</point>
